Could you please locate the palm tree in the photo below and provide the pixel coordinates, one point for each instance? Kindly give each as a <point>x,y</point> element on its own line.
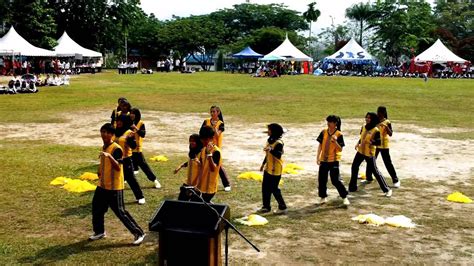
<point>311,15</point>
<point>360,12</point>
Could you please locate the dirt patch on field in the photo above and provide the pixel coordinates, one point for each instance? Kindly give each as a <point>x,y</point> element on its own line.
<point>312,234</point>
<point>414,155</point>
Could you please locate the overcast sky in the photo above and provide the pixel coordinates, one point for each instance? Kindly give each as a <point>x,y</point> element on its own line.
<point>183,8</point>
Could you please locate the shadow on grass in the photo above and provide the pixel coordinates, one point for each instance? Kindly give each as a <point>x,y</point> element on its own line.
<point>79,211</point>
<point>62,252</point>
<point>302,213</point>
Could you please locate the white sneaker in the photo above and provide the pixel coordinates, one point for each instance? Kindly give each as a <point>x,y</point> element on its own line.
<point>97,236</point>
<point>346,201</point>
<point>388,194</point>
<point>227,189</point>
<point>136,172</point>
<point>139,239</point>
<point>320,201</point>
<point>141,201</point>
<point>157,183</point>
<point>396,185</point>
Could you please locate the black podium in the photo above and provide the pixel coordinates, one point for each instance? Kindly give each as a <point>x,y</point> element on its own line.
<point>189,232</point>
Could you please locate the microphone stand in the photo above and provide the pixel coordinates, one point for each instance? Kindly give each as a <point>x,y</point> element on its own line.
<point>227,225</point>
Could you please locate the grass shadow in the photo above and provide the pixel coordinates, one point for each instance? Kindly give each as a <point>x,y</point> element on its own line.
<point>314,209</point>
<point>58,253</point>
<point>79,211</point>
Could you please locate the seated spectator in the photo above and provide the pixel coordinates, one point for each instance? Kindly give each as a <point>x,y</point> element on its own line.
<point>65,80</point>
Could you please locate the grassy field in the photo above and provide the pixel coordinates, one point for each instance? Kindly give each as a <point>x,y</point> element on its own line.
<point>42,224</point>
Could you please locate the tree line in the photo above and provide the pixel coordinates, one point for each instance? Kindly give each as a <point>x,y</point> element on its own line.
<point>388,29</point>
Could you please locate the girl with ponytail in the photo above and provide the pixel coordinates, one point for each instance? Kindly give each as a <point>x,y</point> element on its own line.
<point>328,157</point>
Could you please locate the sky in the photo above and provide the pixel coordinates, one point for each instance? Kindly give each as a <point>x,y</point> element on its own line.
<point>331,10</point>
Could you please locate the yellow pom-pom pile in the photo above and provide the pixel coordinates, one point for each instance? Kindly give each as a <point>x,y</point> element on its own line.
<point>78,186</point>
<point>89,176</point>
<point>458,197</point>
<point>292,169</point>
<point>375,220</point>
<point>159,158</point>
<point>252,220</point>
<point>61,180</point>
<point>251,175</point>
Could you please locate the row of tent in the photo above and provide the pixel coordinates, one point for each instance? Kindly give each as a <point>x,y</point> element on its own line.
<point>13,44</point>
<point>351,52</point>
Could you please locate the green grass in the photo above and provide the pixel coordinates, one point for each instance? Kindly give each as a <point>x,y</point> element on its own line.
<point>301,99</point>
<point>42,224</point>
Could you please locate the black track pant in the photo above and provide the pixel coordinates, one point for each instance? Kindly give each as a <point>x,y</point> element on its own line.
<point>387,160</point>
<point>139,161</point>
<point>130,178</point>
<point>103,199</point>
<point>358,159</point>
<point>224,177</point>
<point>269,187</point>
<point>333,169</point>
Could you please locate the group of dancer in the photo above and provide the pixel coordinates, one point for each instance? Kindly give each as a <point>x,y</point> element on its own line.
<point>120,160</point>
<point>374,139</point>
<point>121,157</point>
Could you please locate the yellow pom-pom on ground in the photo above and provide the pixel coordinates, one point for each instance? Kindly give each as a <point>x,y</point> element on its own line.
<point>251,175</point>
<point>400,221</point>
<point>362,176</point>
<point>370,219</point>
<point>458,197</point>
<point>79,186</point>
<point>61,180</point>
<point>294,166</point>
<point>159,158</point>
<point>292,169</point>
<point>89,176</point>
<point>252,220</point>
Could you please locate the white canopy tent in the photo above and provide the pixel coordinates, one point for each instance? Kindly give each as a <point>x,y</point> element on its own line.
<point>352,51</point>
<point>288,51</point>
<point>13,44</point>
<point>438,53</point>
<point>68,47</point>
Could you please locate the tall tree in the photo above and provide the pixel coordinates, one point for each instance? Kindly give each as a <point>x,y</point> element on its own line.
<point>197,36</point>
<point>34,21</point>
<point>311,15</point>
<point>242,19</point>
<point>86,22</point>
<point>361,13</point>
<point>455,26</point>
<point>401,28</point>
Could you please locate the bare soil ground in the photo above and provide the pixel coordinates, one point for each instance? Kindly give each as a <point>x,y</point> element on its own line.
<point>413,154</point>
<point>429,168</point>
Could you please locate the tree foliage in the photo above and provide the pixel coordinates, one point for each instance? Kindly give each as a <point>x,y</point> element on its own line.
<point>455,26</point>
<point>33,21</point>
<point>311,15</point>
<point>361,13</point>
<point>401,28</point>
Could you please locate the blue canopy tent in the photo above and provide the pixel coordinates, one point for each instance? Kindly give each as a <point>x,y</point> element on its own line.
<point>247,53</point>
